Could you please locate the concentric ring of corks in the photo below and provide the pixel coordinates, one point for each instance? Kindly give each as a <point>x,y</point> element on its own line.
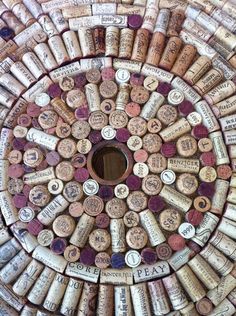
<point>159,75</point>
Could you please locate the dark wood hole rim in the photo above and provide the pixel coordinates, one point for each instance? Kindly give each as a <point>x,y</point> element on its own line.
<point>111,144</point>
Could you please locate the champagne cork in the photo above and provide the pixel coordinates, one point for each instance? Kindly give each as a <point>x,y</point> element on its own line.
<point>105,300</point>
<point>225,244</point>
<point>45,56</point>
<point>175,22</point>
<point>175,292</point>
<point>219,293</point>
<point>190,283</point>
<point>152,228</point>
<point>140,45</point>
<point>184,60</point>
<point>217,260</point>
<point>71,297</point>
<point>208,81</point>
<point>159,299</point>
<point>204,272</point>
<point>227,227</point>
<point>219,148</point>
<point>34,65</point>
<point>219,198</point>
<point>11,84</point>
<point>126,43</point>
<point>56,292</point>
<point>140,299</point>
<point>123,96</point>
<point>87,302</point>
<point>117,230</point>
<point>112,41</point>
<point>58,49</point>
<point>86,42</point>
<point>123,306</point>
<point>170,53</point>
<point>176,199</point>
<point>197,70</point>
<point>156,48</point>
<point>27,278</point>
<point>205,228</point>
<point>14,267</point>
<point>82,230</point>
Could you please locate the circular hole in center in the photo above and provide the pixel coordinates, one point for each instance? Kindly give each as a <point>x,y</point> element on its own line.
<point>109,163</point>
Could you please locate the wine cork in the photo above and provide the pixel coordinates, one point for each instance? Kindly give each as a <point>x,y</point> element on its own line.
<point>139,294</point>
<point>8,209</point>
<point>87,302</point>
<point>231,195</point>
<point>140,45</point>
<point>45,56</point>
<point>204,272</point>
<point>8,250</point>
<point>152,105</point>
<point>28,311</point>
<point>197,70</point>
<point>208,117</point>
<point>122,96</point>
<point>14,267</point>
<point>112,41</point>
<point>184,60</point>
<point>99,40</point>
<point>26,239</point>
<point>47,25</point>
<point>227,227</point>
<point>217,260</point>
<point>152,228</point>
<point>227,106</point>
<point>34,65</point>
<point>105,300</point>
<point>219,198</point>
<point>230,211</point>
<point>12,22</point>
<point>196,29</point>
<point>22,74</point>
<point>175,22</point>
<point>176,199</point>
<point>117,230</point>
<point>27,278</point>
<point>123,306</point>
<point>219,148</point>
<point>58,20</point>
<point>4,178</point>
<point>175,292</point>
<point>190,283</point>
<point>11,84</point>
<point>58,49</point>
<point>56,292</point>
<point>224,243</point>
<point>162,21</point>
<point>49,213</point>
<point>86,42</point>
<point>126,43</point>
<point>170,53</point>
<point>71,297</point>
<point>72,44</point>
<point>159,298</point>
<point>219,293</point>
<point>208,81</point>
<point>205,228</point>
<point>226,308</point>
<point>7,309</point>
<point>93,97</point>
<point>225,37</point>
<point>82,230</point>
